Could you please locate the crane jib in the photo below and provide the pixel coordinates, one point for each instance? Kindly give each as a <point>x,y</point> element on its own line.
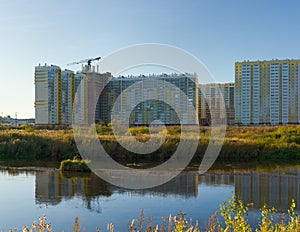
<point>88,61</point>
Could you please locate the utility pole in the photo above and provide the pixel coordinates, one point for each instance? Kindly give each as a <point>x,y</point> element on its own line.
<point>16,119</point>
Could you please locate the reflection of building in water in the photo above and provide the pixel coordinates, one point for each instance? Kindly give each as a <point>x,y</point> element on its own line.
<point>51,187</point>
<point>46,188</point>
<point>276,189</point>
<point>185,184</point>
<point>217,179</point>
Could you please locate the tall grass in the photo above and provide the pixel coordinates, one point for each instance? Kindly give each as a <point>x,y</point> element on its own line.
<point>37,144</point>
<point>241,144</point>
<point>232,217</point>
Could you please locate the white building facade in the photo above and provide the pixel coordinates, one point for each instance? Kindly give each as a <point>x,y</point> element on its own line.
<point>47,94</point>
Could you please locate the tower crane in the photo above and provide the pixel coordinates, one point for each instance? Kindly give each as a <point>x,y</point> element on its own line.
<point>88,61</point>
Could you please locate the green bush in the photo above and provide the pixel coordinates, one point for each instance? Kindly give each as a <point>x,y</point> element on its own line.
<point>142,130</point>
<point>74,165</point>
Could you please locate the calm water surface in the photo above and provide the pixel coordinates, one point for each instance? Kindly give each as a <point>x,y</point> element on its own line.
<point>26,195</point>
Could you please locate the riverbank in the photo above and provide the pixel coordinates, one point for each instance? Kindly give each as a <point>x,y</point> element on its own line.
<point>242,144</point>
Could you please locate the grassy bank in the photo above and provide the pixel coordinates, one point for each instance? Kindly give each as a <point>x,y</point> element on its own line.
<point>241,144</point>
<point>232,216</point>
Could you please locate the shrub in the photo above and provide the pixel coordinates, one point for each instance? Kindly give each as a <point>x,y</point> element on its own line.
<point>75,165</point>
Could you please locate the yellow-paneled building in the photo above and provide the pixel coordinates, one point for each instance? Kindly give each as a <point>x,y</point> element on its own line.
<point>267,92</point>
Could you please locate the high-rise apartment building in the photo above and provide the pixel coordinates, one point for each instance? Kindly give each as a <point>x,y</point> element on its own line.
<point>95,84</point>
<point>149,110</point>
<point>80,99</point>
<point>68,89</point>
<point>211,96</point>
<point>267,92</point>
<point>55,91</point>
<point>48,94</point>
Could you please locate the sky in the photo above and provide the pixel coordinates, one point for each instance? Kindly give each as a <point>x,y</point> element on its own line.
<point>217,32</point>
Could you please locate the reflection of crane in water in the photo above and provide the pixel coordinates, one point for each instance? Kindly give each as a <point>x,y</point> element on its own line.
<point>86,61</point>
<point>93,204</point>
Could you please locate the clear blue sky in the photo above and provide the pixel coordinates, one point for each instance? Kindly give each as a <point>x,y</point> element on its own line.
<point>219,33</point>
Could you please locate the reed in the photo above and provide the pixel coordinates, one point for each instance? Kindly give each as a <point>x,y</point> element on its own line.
<point>232,216</point>
<point>263,143</point>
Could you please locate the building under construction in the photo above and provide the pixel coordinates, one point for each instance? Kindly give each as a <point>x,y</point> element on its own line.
<point>55,91</point>
<point>96,94</point>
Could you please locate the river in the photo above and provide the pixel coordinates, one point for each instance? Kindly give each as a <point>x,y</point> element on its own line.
<point>26,195</point>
